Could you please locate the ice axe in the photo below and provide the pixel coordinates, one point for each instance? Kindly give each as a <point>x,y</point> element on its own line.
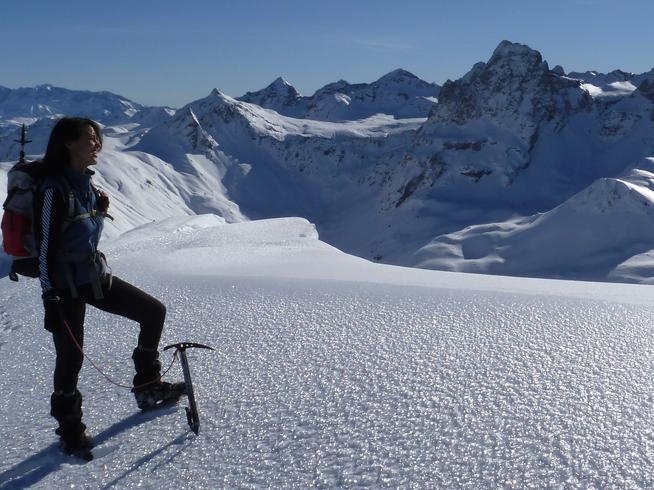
<point>192,411</point>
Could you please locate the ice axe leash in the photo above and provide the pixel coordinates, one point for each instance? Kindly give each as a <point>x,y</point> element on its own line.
<point>192,415</point>
<point>106,376</point>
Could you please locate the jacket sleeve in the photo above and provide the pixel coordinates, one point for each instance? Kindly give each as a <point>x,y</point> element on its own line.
<point>49,216</point>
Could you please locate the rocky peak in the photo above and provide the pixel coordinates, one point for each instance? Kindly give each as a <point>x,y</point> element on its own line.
<point>216,93</point>
<point>278,96</point>
<point>515,87</point>
<point>279,88</point>
<point>519,58</point>
<point>401,80</point>
<point>341,86</point>
<point>282,87</point>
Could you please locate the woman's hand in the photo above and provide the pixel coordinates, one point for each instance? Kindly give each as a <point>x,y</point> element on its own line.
<point>54,319</point>
<point>103,201</point>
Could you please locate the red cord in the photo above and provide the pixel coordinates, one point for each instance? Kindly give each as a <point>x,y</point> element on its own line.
<point>79,347</point>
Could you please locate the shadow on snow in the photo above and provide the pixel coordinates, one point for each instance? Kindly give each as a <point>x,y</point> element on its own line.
<point>48,460</point>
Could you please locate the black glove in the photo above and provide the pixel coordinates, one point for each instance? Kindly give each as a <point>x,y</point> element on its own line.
<point>103,201</point>
<point>103,204</point>
<point>54,319</point>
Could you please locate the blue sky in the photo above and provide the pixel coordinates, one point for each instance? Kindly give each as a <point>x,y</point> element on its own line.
<point>172,52</point>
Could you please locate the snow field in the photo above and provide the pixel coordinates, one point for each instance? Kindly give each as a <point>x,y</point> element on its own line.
<point>358,382</point>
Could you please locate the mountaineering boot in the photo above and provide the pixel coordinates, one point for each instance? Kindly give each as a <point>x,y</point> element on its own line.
<point>158,394</point>
<point>66,408</point>
<point>149,391</point>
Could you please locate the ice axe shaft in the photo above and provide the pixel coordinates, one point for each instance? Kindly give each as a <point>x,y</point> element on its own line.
<point>192,415</point>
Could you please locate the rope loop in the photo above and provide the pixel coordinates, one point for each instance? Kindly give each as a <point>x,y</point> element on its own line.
<point>115,383</point>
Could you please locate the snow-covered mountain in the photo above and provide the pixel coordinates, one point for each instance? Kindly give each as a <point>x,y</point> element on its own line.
<point>590,235</point>
<point>616,83</point>
<point>489,126</point>
<point>514,137</point>
<point>280,96</point>
<point>274,165</point>
<point>31,103</point>
<point>509,139</point>
<point>39,107</point>
<point>398,93</point>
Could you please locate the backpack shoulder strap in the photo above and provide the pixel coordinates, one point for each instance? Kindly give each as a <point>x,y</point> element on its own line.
<point>61,185</point>
<point>67,190</point>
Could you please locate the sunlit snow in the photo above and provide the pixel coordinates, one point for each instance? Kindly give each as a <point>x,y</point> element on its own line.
<point>333,371</point>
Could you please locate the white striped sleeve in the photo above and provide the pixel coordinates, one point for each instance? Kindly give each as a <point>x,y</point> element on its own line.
<point>46,222</point>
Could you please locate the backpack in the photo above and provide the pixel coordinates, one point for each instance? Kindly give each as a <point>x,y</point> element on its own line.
<point>17,221</point>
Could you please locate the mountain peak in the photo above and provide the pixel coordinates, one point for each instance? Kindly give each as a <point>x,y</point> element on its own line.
<point>399,74</point>
<point>515,89</point>
<point>332,87</point>
<point>281,87</point>
<point>508,49</point>
<point>276,96</point>
<point>519,57</point>
<point>280,82</point>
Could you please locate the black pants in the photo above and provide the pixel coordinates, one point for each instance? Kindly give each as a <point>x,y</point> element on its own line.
<point>121,299</point>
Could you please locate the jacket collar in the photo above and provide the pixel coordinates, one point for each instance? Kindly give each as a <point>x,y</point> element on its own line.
<point>78,180</point>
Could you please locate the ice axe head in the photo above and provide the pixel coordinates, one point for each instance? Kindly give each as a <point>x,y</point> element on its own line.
<point>182,346</point>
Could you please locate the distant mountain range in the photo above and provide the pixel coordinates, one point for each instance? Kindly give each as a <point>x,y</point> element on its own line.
<point>398,93</point>
<point>488,173</point>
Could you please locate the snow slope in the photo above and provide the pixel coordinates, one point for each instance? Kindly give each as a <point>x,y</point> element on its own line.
<point>590,236</point>
<point>26,104</point>
<point>144,188</point>
<point>333,371</point>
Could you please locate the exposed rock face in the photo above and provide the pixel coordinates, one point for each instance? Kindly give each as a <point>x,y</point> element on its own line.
<point>646,89</point>
<point>515,89</point>
<point>486,126</point>
<point>279,96</point>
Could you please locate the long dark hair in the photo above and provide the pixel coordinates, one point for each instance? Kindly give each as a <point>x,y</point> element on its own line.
<point>66,130</point>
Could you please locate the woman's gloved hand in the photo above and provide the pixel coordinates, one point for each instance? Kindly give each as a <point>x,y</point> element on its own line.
<point>103,201</point>
<point>54,319</point>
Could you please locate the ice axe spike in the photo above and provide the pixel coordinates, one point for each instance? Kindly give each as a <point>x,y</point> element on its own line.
<point>192,415</point>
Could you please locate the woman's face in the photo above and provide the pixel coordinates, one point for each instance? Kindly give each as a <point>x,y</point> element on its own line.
<point>84,150</point>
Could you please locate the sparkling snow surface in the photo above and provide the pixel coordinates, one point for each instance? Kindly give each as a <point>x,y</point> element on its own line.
<point>333,371</point>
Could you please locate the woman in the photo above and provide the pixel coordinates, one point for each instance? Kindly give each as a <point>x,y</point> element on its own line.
<point>69,215</point>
